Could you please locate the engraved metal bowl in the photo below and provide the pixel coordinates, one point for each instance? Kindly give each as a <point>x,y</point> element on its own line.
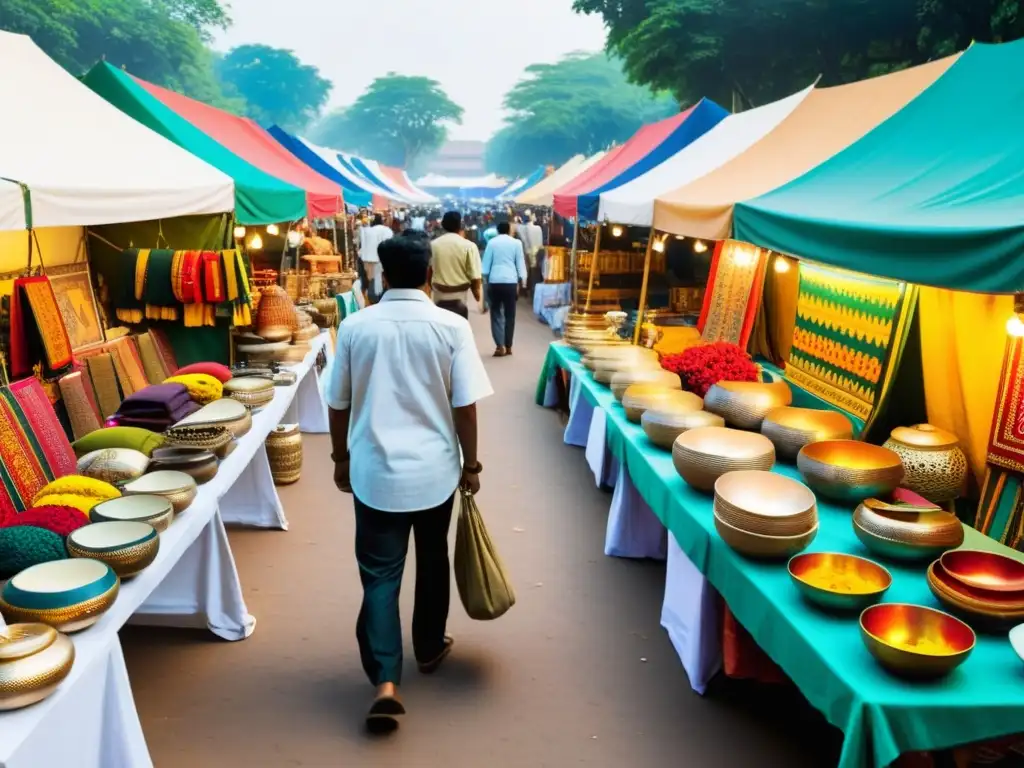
<point>765,503</point>
<point>226,412</point>
<point>200,463</point>
<point>759,546</point>
<point>744,404</point>
<point>128,547</point>
<point>623,380</point>
<point>638,398</point>
<point>838,581</point>
<point>914,641</point>
<point>68,595</point>
<point>980,602</point>
<point>34,660</point>
<point>790,429</point>
<point>666,422</point>
<point>907,535</point>
<point>703,455</point>
<point>985,570</point>
<point>849,471</point>
<point>155,510</point>
<point>177,487</point>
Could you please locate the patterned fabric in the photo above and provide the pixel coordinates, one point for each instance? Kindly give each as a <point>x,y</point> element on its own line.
<point>165,350</point>
<point>849,337</point>
<point>104,382</point>
<point>125,295</point>
<point>38,333</point>
<point>214,291</point>
<point>236,285</point>
<point>733,293</point>
<point>1006,443</point>
<point>1000,513</point>
<point>158,290</point>
<point>151,362</point>
<point>128,365</point>
<point>76,392</point>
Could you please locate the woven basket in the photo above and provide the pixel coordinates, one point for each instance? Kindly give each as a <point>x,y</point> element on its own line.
<point>284,450</point>
<point>275,318</point>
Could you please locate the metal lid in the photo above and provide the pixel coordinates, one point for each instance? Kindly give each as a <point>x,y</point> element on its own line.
<point>20,640</point>
<point>925,436</point>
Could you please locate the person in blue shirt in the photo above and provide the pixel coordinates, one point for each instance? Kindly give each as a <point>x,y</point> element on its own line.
<point>504,269</point>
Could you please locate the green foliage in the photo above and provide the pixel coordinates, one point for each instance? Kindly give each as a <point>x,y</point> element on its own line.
<point>581,104</point>
<point>397,120</point>
<point>760,51</point>
<point>276,85</point>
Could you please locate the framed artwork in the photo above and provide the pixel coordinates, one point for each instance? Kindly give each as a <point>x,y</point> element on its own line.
<point>72,285</point>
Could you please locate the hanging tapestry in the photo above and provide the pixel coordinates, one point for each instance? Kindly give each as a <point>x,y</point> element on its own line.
<point>38,333</point>
<point>733,293</point>
<point>157,284</point>
<point>236,284</point>
<point>849,337</point>
<point>999,512</point>
<point>1006,443</point>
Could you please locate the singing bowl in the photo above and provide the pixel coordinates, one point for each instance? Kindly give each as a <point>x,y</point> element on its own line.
<point>838,581</point>
<point>744,404</point>
<point>226,412</point>
<point>983,602</point>
<point>623,380</point>
<point>68,595</point>
<point>765,503</point>
<point>849,471</point>
<point>759,546</point>
<point>128,547</point>
<point>154,510</point>
<point>606,369</point>
<point>177,487</point>
<point>985,570</point>
<point>703,455</point>
<point>667,421</point>
<point>790,429</point>
<point>200,463</point>
<point>639,398</point>
<point>907,535</point>
<point>113,465</point>
<point>914,641</point>
<point>34,660</point>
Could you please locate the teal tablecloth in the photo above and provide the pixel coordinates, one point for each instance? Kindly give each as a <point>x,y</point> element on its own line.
<point>881,716</point>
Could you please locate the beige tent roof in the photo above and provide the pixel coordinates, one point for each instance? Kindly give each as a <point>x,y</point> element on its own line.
<point>825,123</point>
<point>543,193</point>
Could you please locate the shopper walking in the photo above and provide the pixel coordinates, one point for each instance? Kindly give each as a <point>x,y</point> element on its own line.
<point>456,267</point>
<point>369,242</point>
<point>402,394</point>
<point>504,268</point>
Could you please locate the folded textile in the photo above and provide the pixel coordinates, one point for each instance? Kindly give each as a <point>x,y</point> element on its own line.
<point>158,289</point>
<point>104,382</point>
<point>214,291</point>
<point>163,398</point>
<point>236,285</point>
<point>76,391</point>
<point>152,363</point>
<point>38,333</point>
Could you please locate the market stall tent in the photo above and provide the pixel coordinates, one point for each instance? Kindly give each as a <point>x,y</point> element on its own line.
<point>354,193</point>
<point>419,192</point>
<point>468,188</point>
<point>824,123</point>
<point>259,197</point>
<point>524,183</point>
<point>81,161</point>
<point>396,179</point>
<point>543,193</point>
<point>633,203</point>
<point>933,195</point>
<point>348,162</point>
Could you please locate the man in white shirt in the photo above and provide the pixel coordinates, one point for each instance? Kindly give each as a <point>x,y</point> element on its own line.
<point>370,239</point>
<point>533,240</point>
<point>402,394</point>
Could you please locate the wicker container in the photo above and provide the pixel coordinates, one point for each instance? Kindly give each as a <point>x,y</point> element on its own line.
<point>275,318</point>
<point>284,450</point>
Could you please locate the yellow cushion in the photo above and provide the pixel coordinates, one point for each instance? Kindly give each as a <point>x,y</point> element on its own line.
<point>83,504</point>
<point>77,485</point>
<point>201,387</point>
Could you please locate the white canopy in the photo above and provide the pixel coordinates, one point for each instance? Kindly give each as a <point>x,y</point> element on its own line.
<point>426,195</point>
<point>411,194</point>
<point>12,206</point>
<point>83,160</point>
<point>331,157</point>
<point>542,193</point>
<point>633,203</point>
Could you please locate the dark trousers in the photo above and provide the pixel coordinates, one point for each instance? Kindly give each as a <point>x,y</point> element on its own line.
<point>382,541</point>
<point>503,312</point>
<point>458,307</point>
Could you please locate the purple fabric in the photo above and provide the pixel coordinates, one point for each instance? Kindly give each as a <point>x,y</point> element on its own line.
<point>156,407</point>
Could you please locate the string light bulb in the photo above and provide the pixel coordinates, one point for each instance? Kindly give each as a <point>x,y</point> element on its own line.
<point>658,246</point>
<point>273,230</point>
<point>256,243</point>
<point>782,265</point>
<point>1015,324</point>
<point>699,246</point>
<point>239,233</point>
<point>743,257</point>
<point>616,231</point>
<point>294,238</point>
<point>680,237</point>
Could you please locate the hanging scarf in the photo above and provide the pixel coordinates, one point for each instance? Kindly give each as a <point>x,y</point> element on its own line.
<point>213,278</point>
<point>236,284</point>
<point>158,292</point>
<point>128,308</point>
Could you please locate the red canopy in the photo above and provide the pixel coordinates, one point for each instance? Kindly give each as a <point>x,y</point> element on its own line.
<point>254,145</point>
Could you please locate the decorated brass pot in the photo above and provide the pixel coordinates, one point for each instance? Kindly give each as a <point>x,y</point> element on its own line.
<point>935,465</point>
<point>914,641</point>
<point>839,581</point>
<point>790,429</point>
<point>667,421</point>
<point>849,471</point>
<point>251,391</point>
<point>199,463</point>
<point>907,535</point>
<point>113,465</point>
<point>128,547</point>
<point>701,456</point>
<point>640,397</point>
<point>155,510</point>
<point>744,404</point>
<point>178,488</point>
<point>34,660</point>
<point>759,546</point>
<point>622,380</point>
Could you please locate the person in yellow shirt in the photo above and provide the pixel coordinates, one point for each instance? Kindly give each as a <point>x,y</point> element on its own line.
<point>455,264</point>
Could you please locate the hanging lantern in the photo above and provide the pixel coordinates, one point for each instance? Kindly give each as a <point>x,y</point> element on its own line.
<point>294,239</point>
<point>616,231</point>
<point>256,243</point>
<point>239,233</point>
<point>699,246</point>
<point>782,265</point>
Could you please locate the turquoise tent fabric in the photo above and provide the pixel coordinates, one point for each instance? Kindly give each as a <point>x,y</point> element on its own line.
<point>934,195</point>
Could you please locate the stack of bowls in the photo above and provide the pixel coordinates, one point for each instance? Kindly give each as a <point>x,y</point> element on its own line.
<point>703,455</point>
<point>898,534</point>
<point>667,421</point>
<point>744,404</point>
<point>793,428</point>
<point>986,588</point>
<point>623,380</point>
<point>764,514</point>
<point>915,642</point>
<point>639,398</point>
<point>849,471</point>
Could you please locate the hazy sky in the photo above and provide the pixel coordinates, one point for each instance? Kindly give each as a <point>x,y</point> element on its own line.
<point>476,49</point>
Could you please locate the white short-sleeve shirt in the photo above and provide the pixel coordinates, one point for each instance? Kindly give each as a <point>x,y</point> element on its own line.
<point>401,366</point>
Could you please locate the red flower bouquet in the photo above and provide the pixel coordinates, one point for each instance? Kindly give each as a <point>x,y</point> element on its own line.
<point>706,365</point>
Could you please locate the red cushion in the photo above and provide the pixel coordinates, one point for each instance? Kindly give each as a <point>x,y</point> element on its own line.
<point>59,520</point>
<point>220,372</point>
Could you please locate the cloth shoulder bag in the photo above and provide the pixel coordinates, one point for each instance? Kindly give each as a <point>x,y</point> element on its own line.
<point>484,587</point>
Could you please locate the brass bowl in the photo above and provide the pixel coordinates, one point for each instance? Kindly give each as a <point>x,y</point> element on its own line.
<point>177,487</point>
<point>215,438</point>
<point>914,641</point>
<point>34,660</point>
<point>604,355</point>
<point>792,428</point>
<point>128,547</point>
<point>983,602</point>
<point>759,546</point>
<point>988,571</point>
<point>638,398</point>
<point>250,391</point>
<point>849,471</point>
<point>838,581</point>
<point>703,455</point>
<point>936,466</point>
<point>907,535</point>
<point>765,503</point>
<point>666,422</point>
<point>155,510</point>
<point>623,380</point>
<point>744,404</point>
<point>606,369</point>
<point>69,595</point>
<point>199,463</point>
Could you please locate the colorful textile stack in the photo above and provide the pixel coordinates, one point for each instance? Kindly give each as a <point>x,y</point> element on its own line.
<point>156,407</point>
<point>735,284</point>
<point>38,333</point>
<point>84,414</point>
<point>202,387</point>
<point>849,337</point>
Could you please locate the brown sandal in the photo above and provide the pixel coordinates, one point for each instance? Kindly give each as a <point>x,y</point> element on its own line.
<point>430,667</point>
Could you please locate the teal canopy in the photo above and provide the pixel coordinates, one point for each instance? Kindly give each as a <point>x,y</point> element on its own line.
<point>934,195</point>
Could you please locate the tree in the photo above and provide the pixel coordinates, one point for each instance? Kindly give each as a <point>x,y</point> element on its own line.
<point>397,120</point>
<point>583,103</point>
<point>276,85</point>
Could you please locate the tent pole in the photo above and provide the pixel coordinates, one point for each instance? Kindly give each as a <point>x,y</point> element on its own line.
<point>643,288</point>
<point>593,266</point>
<point>574,271</point>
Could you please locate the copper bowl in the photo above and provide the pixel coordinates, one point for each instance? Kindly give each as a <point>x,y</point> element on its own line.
<point>914,641</point>
<point>839,581</point>
<point>988,571</point>
<point>790,429</point>
<point>744,404</point>
<point>849,471</point>
<point>907,535</point>
<point>666,422</point>
<point>638,398</point>
<point>985,603</point>
<point>765,503</point>
<point>701,456</point>
<point>756,545</point>
<point>623,380</point>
